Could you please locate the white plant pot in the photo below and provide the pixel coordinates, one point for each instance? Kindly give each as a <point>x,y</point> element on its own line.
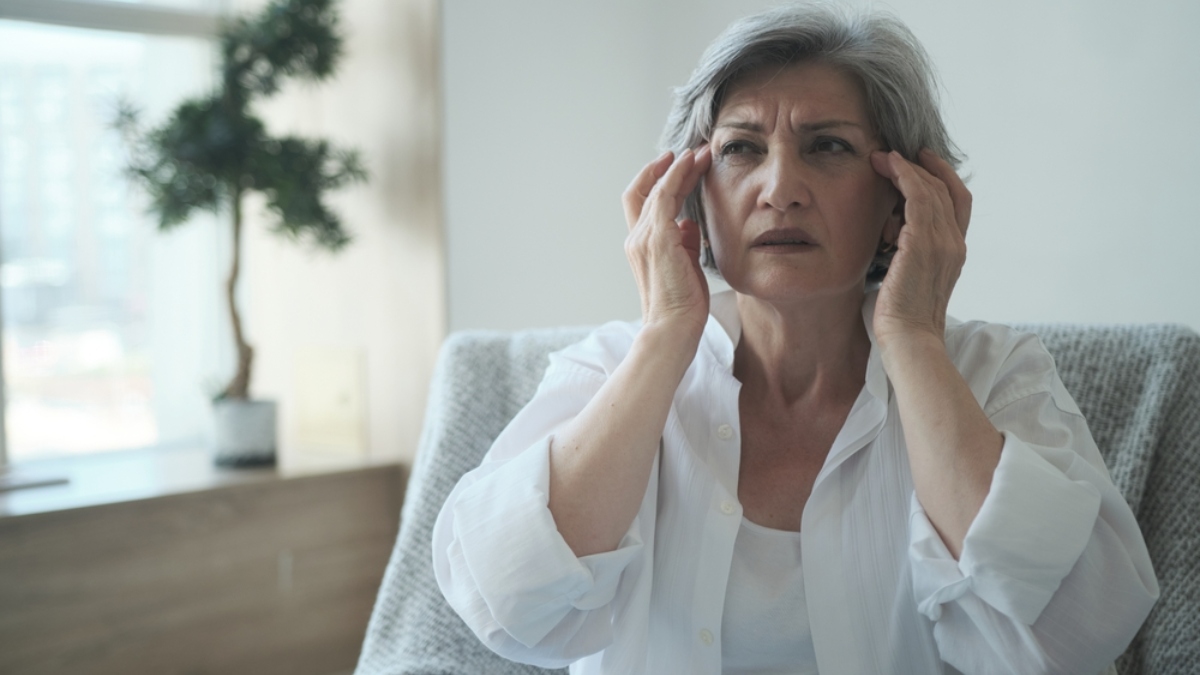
<point>245,432</point>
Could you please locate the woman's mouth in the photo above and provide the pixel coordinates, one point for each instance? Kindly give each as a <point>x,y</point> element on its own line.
<point>783,239</point>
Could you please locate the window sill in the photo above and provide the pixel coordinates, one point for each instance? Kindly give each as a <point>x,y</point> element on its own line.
<point>116,477</point>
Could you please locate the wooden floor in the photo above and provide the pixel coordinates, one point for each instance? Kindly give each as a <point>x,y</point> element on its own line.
<point>275,577</point>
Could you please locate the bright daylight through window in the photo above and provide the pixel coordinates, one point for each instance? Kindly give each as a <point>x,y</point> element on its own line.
<point>91,292</point>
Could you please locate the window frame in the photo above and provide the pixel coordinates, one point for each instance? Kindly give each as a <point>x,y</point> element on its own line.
<point>115,16</point>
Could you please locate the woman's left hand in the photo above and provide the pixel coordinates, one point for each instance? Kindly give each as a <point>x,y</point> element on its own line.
<point>953,448</point>
<point>931,247</point>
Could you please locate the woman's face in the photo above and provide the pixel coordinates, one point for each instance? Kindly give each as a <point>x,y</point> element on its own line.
<point>794,208</point>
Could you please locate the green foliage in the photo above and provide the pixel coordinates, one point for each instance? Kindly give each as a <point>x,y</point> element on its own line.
<point>294,172</point>
<point>213,148</point>
<point>289,39</point>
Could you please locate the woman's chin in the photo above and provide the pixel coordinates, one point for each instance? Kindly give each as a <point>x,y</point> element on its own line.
<point>791,285</point>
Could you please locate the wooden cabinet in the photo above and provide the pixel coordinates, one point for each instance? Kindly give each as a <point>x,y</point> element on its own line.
<point>276,576</point>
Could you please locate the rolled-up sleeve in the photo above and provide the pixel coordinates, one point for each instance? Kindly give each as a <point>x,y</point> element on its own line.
<point>1027,536</point>
<point>1054,575</point>
<point>498,556</point>
<point>505,549</point>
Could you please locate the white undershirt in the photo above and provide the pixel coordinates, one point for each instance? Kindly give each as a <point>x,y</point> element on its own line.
<point>764,629</point>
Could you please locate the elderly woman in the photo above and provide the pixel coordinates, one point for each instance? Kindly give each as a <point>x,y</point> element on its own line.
<point>816,470</point>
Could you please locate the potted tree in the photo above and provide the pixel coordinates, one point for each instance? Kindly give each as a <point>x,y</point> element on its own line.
<point>212,150</point>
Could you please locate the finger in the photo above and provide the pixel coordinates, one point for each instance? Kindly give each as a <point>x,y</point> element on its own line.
<point>960,196</point>
<point>936,185</point>
<point>919,188</point>
<point>666,197</point>
<point>634,197</point>
<point>702,163</point>
<point>906,176</point>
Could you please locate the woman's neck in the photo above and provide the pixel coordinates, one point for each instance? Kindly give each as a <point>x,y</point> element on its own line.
<point>808,351</point>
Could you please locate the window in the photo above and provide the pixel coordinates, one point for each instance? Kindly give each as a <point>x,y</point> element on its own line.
<point>109,329</point>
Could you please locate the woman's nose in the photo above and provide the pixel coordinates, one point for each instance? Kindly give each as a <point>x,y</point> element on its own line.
<point>784,185</point>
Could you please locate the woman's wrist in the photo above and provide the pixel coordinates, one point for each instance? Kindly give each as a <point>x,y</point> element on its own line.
<point>673,345</point>
<point>909,348</point>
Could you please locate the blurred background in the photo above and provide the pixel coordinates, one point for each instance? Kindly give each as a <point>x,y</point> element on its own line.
<point>499,136</point>
<point>115,336</point>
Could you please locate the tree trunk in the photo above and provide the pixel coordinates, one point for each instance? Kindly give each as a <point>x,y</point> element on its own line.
<point>239,387</point>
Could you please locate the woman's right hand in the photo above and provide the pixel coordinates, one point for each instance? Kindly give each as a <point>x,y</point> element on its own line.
<point>601,461</point>
<point>665,253</point>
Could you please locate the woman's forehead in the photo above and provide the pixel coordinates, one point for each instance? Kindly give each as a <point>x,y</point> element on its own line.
<point>805,92</point>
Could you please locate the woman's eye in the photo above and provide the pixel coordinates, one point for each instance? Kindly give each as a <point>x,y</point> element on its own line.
<point>736,148</point>
<point>831,145</point>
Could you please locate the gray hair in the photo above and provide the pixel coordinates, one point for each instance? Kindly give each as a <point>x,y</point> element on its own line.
<point>880,52</point>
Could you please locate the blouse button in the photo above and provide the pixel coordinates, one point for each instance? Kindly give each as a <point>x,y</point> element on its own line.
<point>724,432</point>
<point>727,508</point>
<point>706,637</point>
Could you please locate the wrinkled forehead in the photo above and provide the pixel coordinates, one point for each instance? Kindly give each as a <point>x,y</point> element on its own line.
<point>807,90</point>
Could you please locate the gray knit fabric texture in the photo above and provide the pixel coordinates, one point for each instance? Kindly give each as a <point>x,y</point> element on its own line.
<point>1139,387</point>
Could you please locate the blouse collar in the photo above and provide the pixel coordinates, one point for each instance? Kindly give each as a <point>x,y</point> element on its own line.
<point>724,331</point>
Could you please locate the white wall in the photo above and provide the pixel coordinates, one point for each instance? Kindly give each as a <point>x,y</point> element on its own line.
<point>1078,118</point>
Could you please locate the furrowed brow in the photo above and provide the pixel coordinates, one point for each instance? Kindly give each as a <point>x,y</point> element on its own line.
<point>829,124</point>
<point>744,126</point>
<point>820,125</point>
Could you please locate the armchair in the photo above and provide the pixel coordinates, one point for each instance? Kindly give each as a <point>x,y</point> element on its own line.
<point>1138,386</point>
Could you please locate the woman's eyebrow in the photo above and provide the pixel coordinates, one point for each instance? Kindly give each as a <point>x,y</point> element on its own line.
<point>820,125</point>
<point>828,124</point>
<point>744,126</point>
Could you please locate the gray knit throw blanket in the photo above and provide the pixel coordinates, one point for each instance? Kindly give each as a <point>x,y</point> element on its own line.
<point>1138,386</point>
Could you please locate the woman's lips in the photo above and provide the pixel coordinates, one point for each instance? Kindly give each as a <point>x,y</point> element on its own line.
<point>789,238</point>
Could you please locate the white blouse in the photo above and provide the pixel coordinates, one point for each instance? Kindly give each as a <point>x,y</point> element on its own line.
<point>1054,576</point>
